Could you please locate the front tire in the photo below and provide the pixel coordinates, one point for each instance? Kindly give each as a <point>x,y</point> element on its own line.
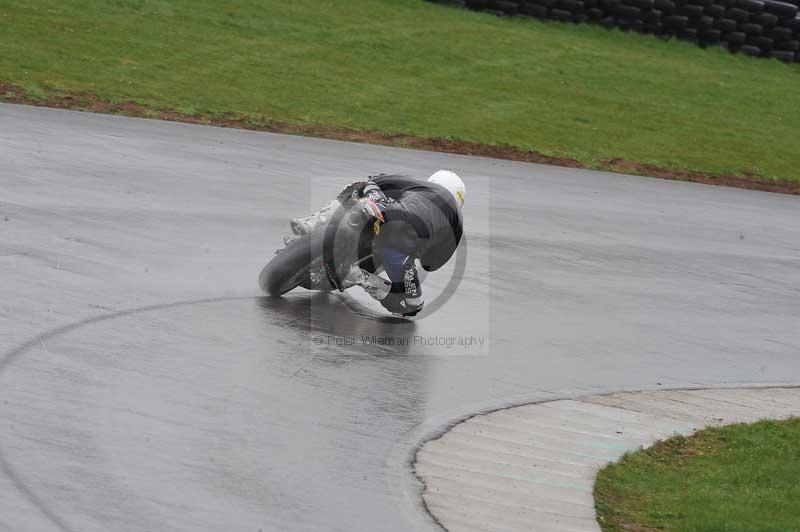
<point>289,268</point>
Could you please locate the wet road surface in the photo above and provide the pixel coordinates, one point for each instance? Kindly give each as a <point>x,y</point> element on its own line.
<point>146,384</point>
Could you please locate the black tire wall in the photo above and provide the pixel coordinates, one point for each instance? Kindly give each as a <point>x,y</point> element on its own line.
<point>760,28</point>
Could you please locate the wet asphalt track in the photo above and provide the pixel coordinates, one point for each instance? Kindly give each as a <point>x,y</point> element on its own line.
<point>146,385</point>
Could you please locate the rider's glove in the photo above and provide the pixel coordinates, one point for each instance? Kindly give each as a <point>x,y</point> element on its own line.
<point>370,198</point>
<point>371,209</point>
<point>351,192</point>
<point>363,189</point>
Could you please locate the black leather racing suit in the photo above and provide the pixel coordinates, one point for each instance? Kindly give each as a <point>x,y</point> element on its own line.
<point>421,220</point>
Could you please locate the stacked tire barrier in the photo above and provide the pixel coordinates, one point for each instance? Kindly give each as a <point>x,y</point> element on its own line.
<point>762,28</point>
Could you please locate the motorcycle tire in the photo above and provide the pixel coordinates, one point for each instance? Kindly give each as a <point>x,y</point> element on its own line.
<point>289,268</point>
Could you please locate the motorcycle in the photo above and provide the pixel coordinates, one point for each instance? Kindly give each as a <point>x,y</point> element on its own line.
<point>334,256</point>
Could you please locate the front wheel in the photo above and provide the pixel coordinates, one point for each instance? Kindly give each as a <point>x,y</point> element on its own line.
<point>290,268</point>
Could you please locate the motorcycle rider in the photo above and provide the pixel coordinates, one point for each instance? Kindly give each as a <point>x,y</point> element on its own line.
<point>412,221</point>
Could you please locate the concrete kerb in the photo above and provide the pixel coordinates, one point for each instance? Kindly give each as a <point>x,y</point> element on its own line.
<point>493,471</point>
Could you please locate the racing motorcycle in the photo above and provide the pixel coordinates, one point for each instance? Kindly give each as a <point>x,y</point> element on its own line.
<point>336,255</point>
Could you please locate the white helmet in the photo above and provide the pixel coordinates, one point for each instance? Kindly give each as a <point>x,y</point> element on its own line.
<point>452,183</point>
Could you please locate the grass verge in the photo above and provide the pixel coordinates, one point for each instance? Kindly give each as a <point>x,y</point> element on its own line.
<point>739,478</point>
<point>411,73</point>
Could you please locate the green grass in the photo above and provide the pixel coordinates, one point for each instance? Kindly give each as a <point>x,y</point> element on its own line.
<point>408,66</point>
<point>739,478</point>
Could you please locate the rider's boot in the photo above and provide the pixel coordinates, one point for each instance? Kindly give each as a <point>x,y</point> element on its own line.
<point>304,225</point>
<point>377,287</point>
